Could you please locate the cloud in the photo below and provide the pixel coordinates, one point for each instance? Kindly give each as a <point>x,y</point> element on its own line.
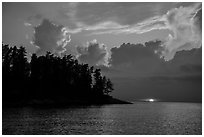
<point>103,26</point>
<point>71,13</point>
<point>103,16</point>
<point>106,25</point>
<point>127,13</point>
<point>186,33</point>
<point>137,59</point>
<point>147,25</point>
<point>141,73</point>
<point>184,23</point>
<point>93,53</point>
<point>27,24</point>
<point>128,54</point>
<point>50,37</point>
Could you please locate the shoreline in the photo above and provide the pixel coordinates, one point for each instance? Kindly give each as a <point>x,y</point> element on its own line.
<point>63,104</point>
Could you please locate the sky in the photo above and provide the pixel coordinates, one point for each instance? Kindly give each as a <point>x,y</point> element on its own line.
<point>148,50</point>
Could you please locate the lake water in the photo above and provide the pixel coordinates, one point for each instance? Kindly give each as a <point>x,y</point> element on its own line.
<point>138,118</point>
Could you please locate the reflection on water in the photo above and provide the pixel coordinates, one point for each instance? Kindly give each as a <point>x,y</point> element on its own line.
<point>138,118</point>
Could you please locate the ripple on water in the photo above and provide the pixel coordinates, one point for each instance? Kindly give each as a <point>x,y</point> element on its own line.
<point>138,118</point>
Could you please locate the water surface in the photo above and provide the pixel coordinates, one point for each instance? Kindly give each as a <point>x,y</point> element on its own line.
<point>138,118</point>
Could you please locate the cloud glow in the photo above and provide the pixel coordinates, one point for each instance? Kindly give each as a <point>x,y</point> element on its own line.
<point>93,53</point>
<point>182,22</point>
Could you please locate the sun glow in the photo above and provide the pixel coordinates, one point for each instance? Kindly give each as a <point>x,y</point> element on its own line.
<point>151,100</point>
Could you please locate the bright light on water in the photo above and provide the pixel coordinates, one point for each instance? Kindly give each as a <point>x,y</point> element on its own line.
<point>151,100</point>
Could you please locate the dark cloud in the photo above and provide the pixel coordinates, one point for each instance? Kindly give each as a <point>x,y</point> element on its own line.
<point>93,53</point>
<point>192,57</point>
<point>141,57</point>
<point>50,37</point>
<point>142,74</point>
<point>138,57</point>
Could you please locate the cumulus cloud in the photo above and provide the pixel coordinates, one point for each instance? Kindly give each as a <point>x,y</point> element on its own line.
<point>137,66</point>
<point>136,57</point>
<point>93,53</point>
<point>183,23</point>
<point>185,26</point>
<point>50,37</point>
<point>186,33</point>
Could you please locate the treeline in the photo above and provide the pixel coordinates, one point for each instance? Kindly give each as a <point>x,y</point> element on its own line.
<point>49,78</point>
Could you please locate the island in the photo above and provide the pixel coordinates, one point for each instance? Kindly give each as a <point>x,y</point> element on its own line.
<point>51,80</point>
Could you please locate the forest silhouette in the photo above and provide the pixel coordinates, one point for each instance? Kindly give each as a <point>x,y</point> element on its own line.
<point>50,79</point>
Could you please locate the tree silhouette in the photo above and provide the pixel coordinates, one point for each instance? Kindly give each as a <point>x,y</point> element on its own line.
<point>49,77</point>
<point>108,86</point>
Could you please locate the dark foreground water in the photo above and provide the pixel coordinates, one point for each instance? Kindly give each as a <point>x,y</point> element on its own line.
<point>138,118</point>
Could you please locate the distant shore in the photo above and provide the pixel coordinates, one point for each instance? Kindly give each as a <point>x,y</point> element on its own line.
<point>66,103</point>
